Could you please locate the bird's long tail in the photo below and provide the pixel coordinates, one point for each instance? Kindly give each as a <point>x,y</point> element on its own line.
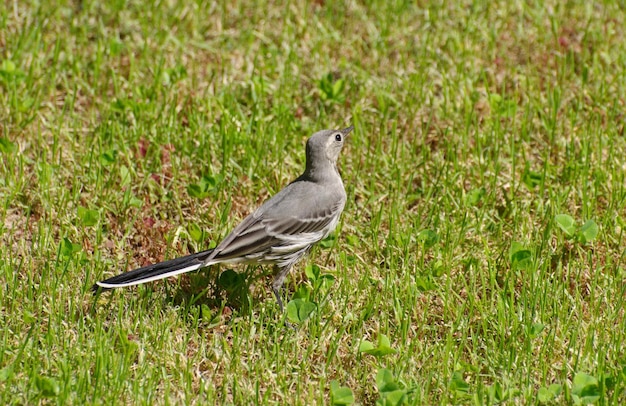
<point>155,272</point>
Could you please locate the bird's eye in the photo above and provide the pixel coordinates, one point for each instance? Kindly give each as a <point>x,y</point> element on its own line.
<point>337,137</point>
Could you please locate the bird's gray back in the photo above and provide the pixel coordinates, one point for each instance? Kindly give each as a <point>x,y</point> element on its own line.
<point>285,227</point>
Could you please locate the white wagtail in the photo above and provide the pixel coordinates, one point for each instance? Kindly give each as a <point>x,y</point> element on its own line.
<point>280,232</point>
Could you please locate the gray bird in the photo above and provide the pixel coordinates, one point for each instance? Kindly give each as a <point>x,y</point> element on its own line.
<point>280,232</point>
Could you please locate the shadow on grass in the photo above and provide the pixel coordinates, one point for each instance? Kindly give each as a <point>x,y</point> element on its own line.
<point>210,297</point>
<point>220,292</point>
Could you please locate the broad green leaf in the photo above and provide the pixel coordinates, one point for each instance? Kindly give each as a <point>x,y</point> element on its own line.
<point>204,188</point>
<point>6,146</point>
<point>26,104</point>
<point>326,87</point>
<point>521,258</point>
<point>68,248</point>
<point>329,241</point>
<point>108,158</point>
<point>457,383</point>
<point>583,380</point>
<point>303,291</point>
<point>47,386</point>
<point>340,395</point>
<point>393,398</point>
<point>385,382</point>
<point>555,388</point>
<point>298,310</point>
<point>338,88</point>
<point>28,316</point>
<point>135,201</point>
<point>530,178</point>
<point>383,347</point>
<point>366,346</point>
<point>494,99</point>
<point>10,72</point>
<point>8,66</point>
<point>474,197</point>
<point>502,106</point>
<point>536,329</point>
<point>312,272</point>
<point>544,395</point>
<point>165,78</point>
<point>550,393</point>
<point>195,232</point>
<point>567,224</point>
<point>385,344</point>
<point>87,216</point>
<point>196,191</point>
<point>588,232</point>
<point>436,268</point>
<point>507,108</point>
<point>331,89</point>
<point>424,283</point>
<point>428,238</point>
<point>325,280</point>
<point>6,373</point>
<point>586,388</point>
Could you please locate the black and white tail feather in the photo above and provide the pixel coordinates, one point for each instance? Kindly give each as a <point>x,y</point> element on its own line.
<point>280,232</point>
<point>154,272</point>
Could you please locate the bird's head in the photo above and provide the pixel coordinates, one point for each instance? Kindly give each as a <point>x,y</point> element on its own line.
<point>326,144</point>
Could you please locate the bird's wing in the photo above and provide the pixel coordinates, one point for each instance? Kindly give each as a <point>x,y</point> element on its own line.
<point>315,220</point>
<point>275,230</point>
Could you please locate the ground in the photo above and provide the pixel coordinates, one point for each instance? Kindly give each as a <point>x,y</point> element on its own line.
<point>480,257</point>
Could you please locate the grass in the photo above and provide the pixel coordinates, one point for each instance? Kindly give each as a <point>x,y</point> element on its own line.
<point>135,132</point>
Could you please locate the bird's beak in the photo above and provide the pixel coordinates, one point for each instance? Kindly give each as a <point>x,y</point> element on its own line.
<point>347,131</point>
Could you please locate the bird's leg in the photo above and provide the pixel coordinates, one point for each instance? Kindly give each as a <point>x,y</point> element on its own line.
<point>277,284</point>
<point>278,299</point>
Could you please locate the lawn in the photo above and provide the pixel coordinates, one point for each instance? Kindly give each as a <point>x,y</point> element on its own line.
<point>481,255</point>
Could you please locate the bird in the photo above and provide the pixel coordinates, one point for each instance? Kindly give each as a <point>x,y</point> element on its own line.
<point>280,232</point>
